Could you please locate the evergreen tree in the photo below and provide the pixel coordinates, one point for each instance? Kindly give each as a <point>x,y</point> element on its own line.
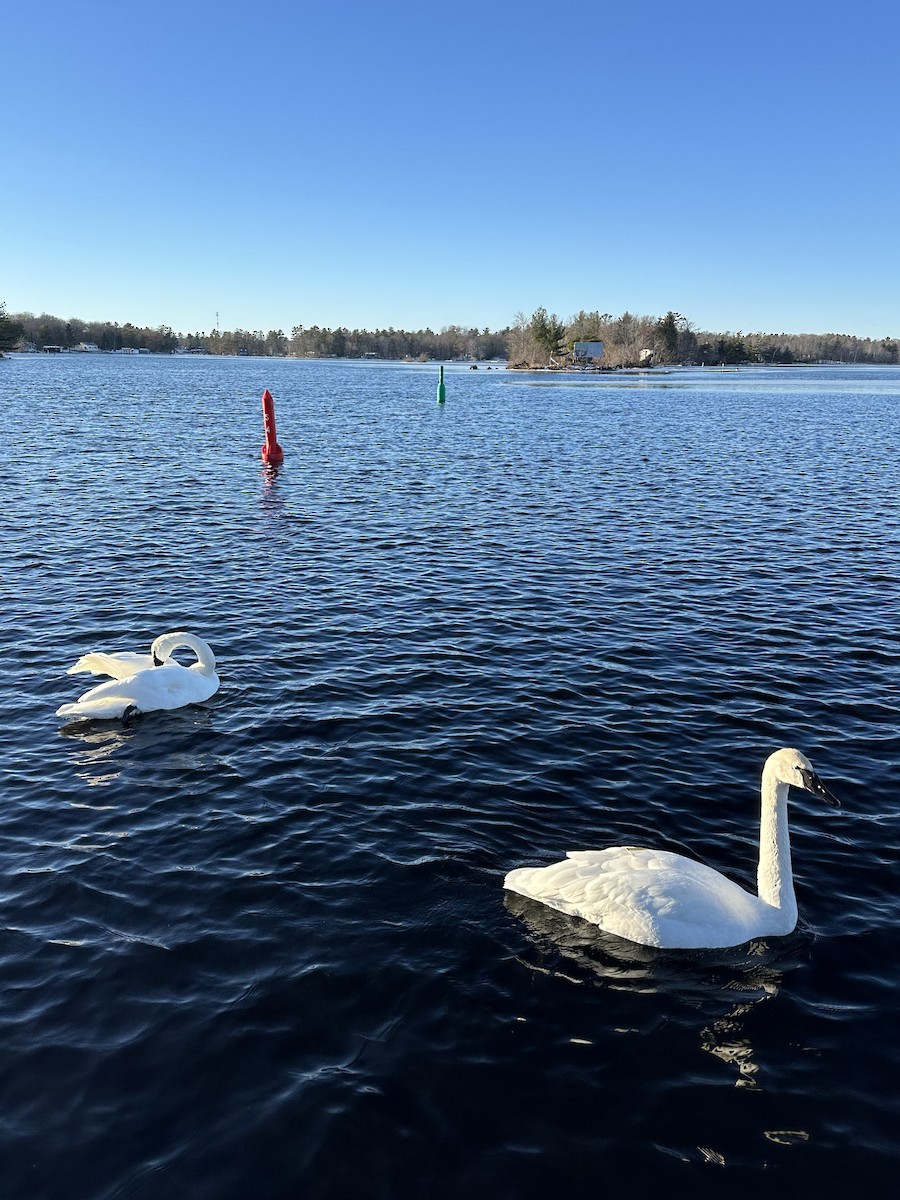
<point>548,332</point>
<point>10,331</point>
<point>667,338</point>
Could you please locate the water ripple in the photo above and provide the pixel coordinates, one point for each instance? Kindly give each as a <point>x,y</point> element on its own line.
<point>264,940</point>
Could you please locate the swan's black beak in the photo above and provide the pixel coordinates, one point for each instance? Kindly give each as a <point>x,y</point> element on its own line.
<point>157,662</point>
<point>812,783</point>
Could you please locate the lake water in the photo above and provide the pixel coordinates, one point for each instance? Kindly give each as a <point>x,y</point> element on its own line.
<point>261,948</point>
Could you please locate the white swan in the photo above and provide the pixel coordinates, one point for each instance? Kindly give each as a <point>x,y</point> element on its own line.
<point>145,682</point>
<point>657,898</point>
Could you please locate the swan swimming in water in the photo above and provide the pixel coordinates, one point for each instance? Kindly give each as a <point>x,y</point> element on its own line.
<point>657,898</point>
<point>145,682</point>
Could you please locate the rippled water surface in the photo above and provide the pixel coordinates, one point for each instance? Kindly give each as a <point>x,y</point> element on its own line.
<point>261,947</point>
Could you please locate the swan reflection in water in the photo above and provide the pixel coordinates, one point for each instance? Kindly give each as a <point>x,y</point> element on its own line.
<point>96,745</point>
<point>95,749</point>
<point>736,979</point>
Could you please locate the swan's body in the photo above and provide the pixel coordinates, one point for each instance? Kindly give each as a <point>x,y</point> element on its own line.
<point>657,898</point>
<point>145,682</point>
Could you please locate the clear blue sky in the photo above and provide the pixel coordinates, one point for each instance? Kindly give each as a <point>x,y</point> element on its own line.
<point>286,162</point>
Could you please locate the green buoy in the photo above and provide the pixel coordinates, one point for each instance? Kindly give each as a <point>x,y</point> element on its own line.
<point>442,391</point>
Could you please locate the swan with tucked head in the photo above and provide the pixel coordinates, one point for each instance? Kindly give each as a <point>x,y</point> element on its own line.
<point>145,682</point>
<point>657,898</point>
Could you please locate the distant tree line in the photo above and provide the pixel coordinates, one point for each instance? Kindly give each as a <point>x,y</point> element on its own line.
<point>541,340</point>
<point>45,330</point>
<point>452,342</point>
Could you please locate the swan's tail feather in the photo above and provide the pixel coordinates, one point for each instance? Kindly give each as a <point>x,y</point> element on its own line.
<point>520,881</point>
<point>93,709</point>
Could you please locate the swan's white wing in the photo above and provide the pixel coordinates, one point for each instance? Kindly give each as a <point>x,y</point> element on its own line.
<point>106,700</point>
<point>648,896</point>
<point>118,666</point>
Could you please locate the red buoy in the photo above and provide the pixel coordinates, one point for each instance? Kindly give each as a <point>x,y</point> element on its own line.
<point>271,451</point>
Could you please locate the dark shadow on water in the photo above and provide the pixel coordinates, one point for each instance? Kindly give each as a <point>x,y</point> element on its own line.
<point>614,962</point>
<point>722,985</point>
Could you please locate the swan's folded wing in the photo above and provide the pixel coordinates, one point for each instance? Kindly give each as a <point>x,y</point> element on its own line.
<point>97,709</point>
<point>117,666</point>
<point>625,890</point>
<point>109,699</point>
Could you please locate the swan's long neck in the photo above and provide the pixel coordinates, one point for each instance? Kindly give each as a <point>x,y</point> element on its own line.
<point>169,642</point>
<point>206,660</point>
<point>775,879</point>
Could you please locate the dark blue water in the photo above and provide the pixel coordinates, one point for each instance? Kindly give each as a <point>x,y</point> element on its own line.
<point>261,947</point>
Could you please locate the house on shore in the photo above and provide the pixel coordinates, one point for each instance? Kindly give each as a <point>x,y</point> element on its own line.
<point>587,355</point>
